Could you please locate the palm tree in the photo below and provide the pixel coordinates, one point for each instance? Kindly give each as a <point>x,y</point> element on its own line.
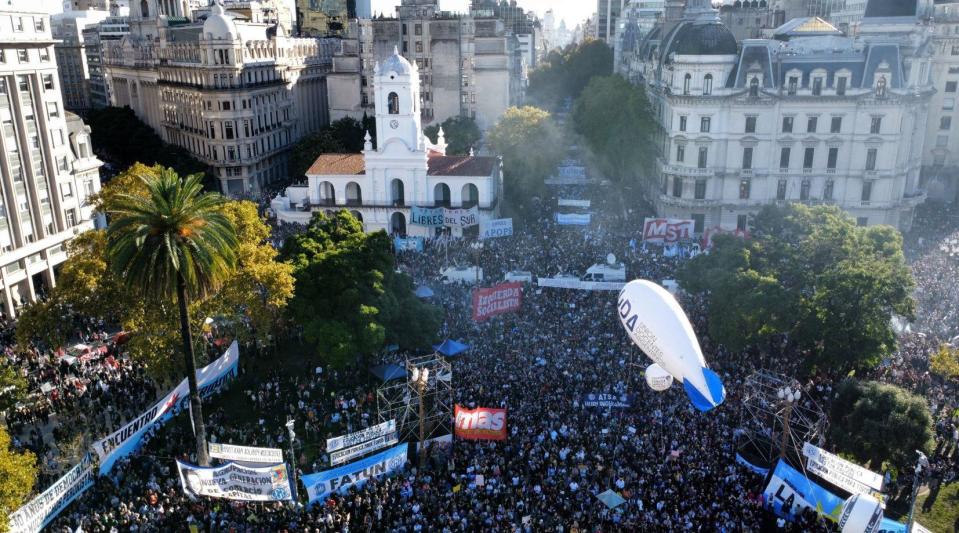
<point>173,242</point>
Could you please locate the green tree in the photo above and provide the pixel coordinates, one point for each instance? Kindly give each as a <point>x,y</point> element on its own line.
<point>565,75</point>
<point>349,299</point>
<point>613,117</point>
<point>531,146</point>
<point>877,422</point>
<point>810,272</point>
<point>945,362</point>
<point>13,387</point>
<point>462,134</point>
<point>344,136</point>
<point>18,473</point>
<point>174,243</point>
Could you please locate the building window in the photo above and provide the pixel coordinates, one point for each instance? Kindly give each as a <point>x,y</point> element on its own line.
<point>793,84</point>
<point>700,189</point>
<point>686,81</point>
<point>53,110</point>
<point>742,222</point>
<point>881,87</point>
<point>781,190</point>
<point>228,130</point>
<point>827,190</point>
<point>394,103</point>
<point>811,124</point>
<point>417,29</point>
<point>699,222</point>
<point>804,191</point>
<point>747,158</point>
<point>680,153</point>
<point>817,86</point>
<point>750,124</point>
<point>871,159</point>
<point>22,56</point>
<point>808,158</point>
<point>948,104</point>
<point>942,141</point>
<point>744,188</point>
<point>419,47</point>
<point>704,124</point>
<point>866,191</point>
<point>703,156</point>
<point>951,86</point>
<point>945,123</point>
<point>841,86</point>
<point>17,23</point>
<point>836,125</point>
<point>677,187</point>
<point>875,126</point>
<point>754,87</point>
<point>682,123</point>
<point>832,158</point>
<point>787,124</point>
<point>48,82</point>
<point>864,221</point>
<point>44,54</point>
<point>708,85</point>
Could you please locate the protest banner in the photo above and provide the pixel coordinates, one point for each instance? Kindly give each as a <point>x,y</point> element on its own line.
<point>246,454</point>
<point>573,283</point>
<point>461,218</point>
<point>706,242</point>
<point>124,441</point>
<point>482,423</point>
<point>611,401</point>
<point>40,511</point>
<point>408,244</point>
<point>322,484</point>
<point>359,437</point>
<point>500,227</point>
<point>667,230</point>
<point>236,482</point>
<point>840,472</point>
<point>431,217</point>
<point>573,219</point>
<point>491,301</point>
<point>564,202</point>
<point>347,454</point>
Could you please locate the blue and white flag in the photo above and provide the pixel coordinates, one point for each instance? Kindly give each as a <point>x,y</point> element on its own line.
<point>573,219</point>
<point>40,511</point>
<point>322,484</point>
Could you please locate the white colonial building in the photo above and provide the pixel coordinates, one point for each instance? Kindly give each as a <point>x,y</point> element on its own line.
<point>405,169</point>
<point>809,116</point>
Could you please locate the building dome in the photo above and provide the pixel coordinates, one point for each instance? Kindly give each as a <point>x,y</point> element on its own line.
<point>396,63</point>
<point>701,39</point>
<point>219,25</point>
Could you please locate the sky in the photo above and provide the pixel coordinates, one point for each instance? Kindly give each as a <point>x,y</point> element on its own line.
<point>573,11</point>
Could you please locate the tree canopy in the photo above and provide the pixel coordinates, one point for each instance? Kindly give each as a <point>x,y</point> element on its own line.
<point>945,362</point>
<point>462,134</point>
<point>531,146</point>
<point>613,117</point>
<point>811,273</point>
<point>18,473</point>
<point>878,422</point>
<point>344,136</point>
<point>257,291</point>
<point>349,298</point>
<point>565,74</point>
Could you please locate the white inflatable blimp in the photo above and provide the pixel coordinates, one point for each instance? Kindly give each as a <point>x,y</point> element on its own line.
<point>861,513</point>
<point>657,378</point>
<point>657,324</point>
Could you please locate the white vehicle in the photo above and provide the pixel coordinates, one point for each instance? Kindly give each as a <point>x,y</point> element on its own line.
<point>598,272</point>
<point>464,274</point>
<point>519,275</point>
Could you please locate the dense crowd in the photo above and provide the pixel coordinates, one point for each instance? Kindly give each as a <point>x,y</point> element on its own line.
<point>674,466</point>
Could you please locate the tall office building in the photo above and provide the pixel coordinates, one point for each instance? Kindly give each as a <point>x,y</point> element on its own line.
<point>324,18</point>
<point>71,50</point>
<point>95,40</point>
<point>607,15</point>
<point>48,167</point>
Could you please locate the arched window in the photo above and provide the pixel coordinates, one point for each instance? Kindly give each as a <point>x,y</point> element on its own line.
<point>470,195</point>
<point>327,194</point>
<point>398,223</point>
<point>441,195</point>
<point>394,103</point>
<point>881,87</point>
<point>754,86</point>
<point>397,193</point>
<point>708,84</point>
<point>357,215</point>
<point>354,195</point>
<point>144,9</point>
<point>686,82</point>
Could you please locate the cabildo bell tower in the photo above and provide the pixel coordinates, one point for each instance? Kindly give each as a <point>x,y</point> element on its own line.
<point>397,95</point>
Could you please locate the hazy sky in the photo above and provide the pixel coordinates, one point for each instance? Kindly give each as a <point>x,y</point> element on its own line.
<point>574,11</point>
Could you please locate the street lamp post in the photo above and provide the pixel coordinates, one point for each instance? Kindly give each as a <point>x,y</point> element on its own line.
<point>789,397</point>
<point>477,247</point>
<point>420,379</point>
<point>290,423</point>
<point>921,464</point>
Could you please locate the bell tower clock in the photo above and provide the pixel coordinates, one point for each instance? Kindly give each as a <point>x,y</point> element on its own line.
<point>397,88</point>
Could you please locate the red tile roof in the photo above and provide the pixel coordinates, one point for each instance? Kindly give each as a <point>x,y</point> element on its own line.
<point>461,165</point>
<point>338,165</point>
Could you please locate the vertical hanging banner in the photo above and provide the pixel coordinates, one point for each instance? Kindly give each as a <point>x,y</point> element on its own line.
<point>322,484</point>
<point>236,482</point>
<point>40,511</point>
<point>492,301</point>
<point>210,380</point>
<point>482,423</point>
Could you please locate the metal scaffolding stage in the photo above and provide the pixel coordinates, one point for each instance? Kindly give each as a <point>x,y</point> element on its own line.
<point>768,419</point>
<point>399,399</point>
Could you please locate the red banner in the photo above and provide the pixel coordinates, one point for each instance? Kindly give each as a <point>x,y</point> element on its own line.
<point>492,301</point>
<point>667,230</point>
<point>482,423</point>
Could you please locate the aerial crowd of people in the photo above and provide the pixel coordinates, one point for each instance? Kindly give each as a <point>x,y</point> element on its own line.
<point>675,468</point>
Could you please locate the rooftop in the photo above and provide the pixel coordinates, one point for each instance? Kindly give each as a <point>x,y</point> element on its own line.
<point>439,165</point>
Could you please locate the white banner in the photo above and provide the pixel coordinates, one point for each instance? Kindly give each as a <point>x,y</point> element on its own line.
<point>563,202</point>
<point>461,218</point>
<point>501,227</point>
<point>340,479</point>
<point>247,454</point>
<point>572,219</point>
<point>359,437</point>
<point>840,472</point>
<point>346,454</point>
<point>236,482</point>
<point>40,511</point>
<point>572,283</point>
<point>210,379</point>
